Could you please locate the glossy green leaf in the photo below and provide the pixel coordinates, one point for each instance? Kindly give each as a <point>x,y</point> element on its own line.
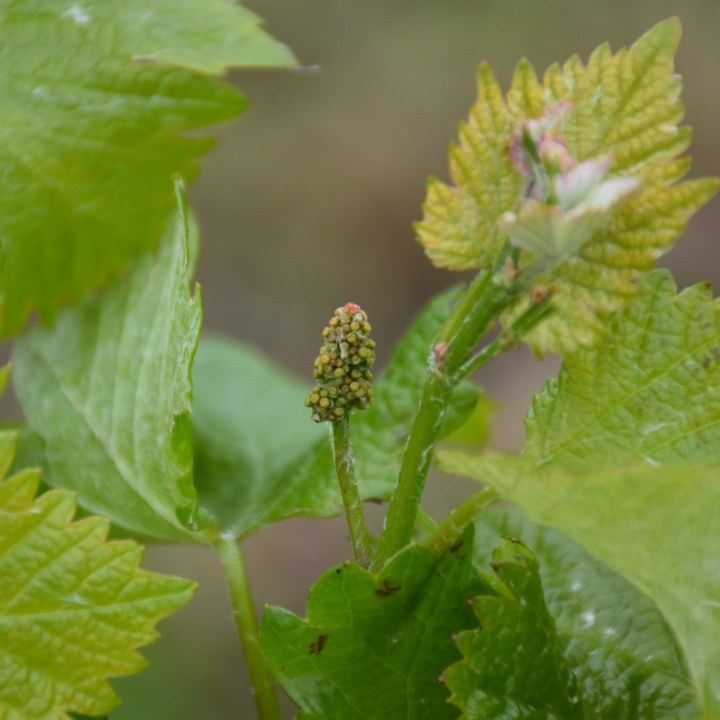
<point>96,113</point>
<point>73,608</point>
<point>107,396</point>
<point>514,666</point>
<point>622,456</point>
<point>261,459</point>
<point>613,638</point>
<point>374,646</point>
<point>624,107</point>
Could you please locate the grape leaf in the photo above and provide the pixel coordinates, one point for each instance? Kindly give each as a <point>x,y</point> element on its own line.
<point>251,426</point>
<point>613,637</point>
<point>623,106</point>
<point>97,108</point>
<point>261,459</point>
<point>374,646</point>
<point>653,393</point>
<point>622,456</point>
<point>110,383</point>
<point>73,608</point>
<point>514,666</point>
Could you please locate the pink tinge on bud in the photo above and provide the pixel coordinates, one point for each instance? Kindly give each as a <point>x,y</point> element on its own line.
<point>517,155</point>
<point>554,152</point>
<point>545,133</point>
<point>350,307</point>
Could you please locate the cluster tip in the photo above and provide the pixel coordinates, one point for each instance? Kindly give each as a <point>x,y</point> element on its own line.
<point>342,369</point>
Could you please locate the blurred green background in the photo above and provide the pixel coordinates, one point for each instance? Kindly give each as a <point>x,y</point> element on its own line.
<point>308,201</point>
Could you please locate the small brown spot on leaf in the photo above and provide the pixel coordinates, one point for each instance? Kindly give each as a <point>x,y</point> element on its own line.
<point>387,588</point>
<point>456,546</point>
<point>317,647</point>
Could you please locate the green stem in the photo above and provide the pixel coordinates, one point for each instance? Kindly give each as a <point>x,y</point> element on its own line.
<point>534,315</point>
<point>425,523</point>
<point>345,468</point>
<point>477,310</point>
<point>473,316</point>
<point>261,679</point>
<point>446,534</point>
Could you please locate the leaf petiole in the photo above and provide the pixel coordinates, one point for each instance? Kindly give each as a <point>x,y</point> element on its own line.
<point>509,338</point>
<point>261,679</point>
<point>448,531</point>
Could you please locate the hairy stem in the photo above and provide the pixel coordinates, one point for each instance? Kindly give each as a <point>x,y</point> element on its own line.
<point>345,468</point>
<point>486,297</point>
<point>446,534</point>
<point>532,317</point>
<point>261,680</point>
<point>475,313</point>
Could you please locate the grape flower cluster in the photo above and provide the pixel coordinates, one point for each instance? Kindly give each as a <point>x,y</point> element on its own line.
<point>342,368</point>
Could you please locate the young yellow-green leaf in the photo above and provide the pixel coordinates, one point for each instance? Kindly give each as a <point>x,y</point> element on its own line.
<point>622,456</point>
<point>96,113</point>
<point>624,107</point>
<point>373,647</point>
<point>73,608</point>
<point>603,276</point>
<point>653,393</point>
<point>107,396</point>
<point>259,456</point>
<point>613,637</point>
<point>459,230</point>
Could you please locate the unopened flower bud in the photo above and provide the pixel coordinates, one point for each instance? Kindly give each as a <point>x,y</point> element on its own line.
<point>340,389</point>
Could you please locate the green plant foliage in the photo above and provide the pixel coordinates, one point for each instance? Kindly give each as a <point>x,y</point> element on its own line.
<point>73,608</point>
<point>514,665</point>
<point>251,429</point>
<point>653,393</point>
<point>623,106</point>
<point>110,384</point>
<point>96,110</point>
<point>609,461</point>
<point>374,646</point>
<point>259,467</point>
<point>613,637</point>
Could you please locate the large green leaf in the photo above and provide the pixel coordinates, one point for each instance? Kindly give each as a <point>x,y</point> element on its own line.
<point>107,396</point>
<point>374,646</point>
<point>624,107</point>
<point>98,97</point>
<point>73,608</point>
<point>251,426</point>
<point>613,638</point>
<point>260,458</point>
<point>622,456</point>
